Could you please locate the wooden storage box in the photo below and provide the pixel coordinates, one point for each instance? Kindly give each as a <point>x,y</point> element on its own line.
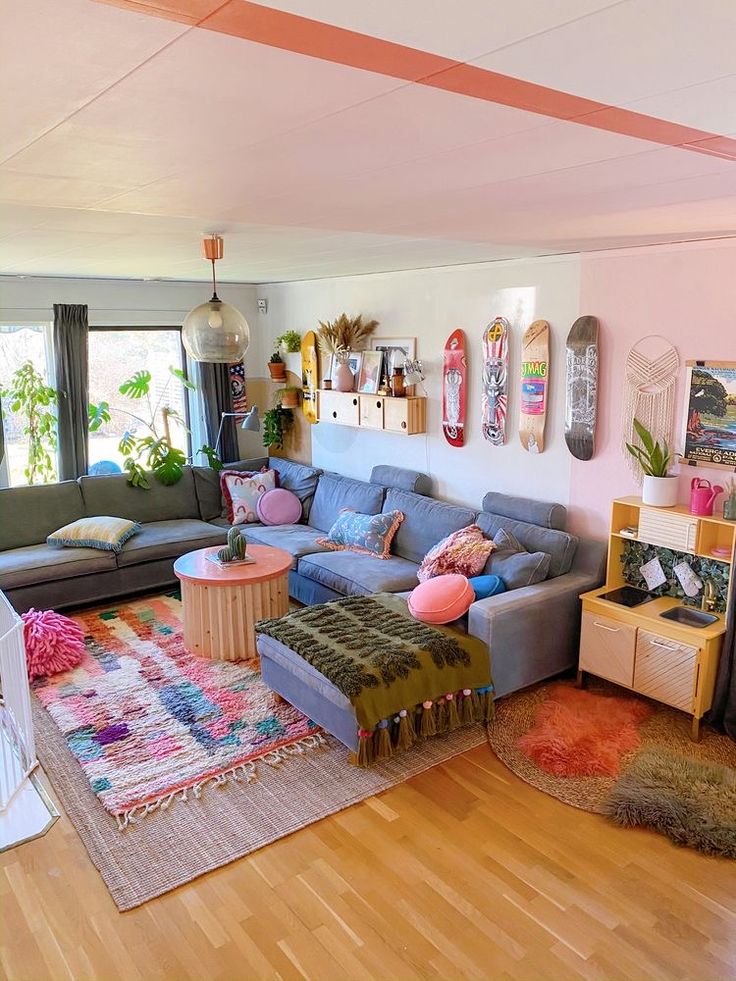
<point>341,408</point>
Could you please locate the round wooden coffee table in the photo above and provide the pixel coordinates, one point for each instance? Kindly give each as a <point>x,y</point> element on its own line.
<point>221,606</point>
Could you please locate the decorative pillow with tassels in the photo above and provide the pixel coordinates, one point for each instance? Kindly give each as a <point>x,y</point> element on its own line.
<point>241,490</point>
<point>464,552</point>
<point>369,534</point>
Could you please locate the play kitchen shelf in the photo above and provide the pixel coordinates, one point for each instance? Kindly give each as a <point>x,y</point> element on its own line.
<point>639,647</point>
<point>407,415</point>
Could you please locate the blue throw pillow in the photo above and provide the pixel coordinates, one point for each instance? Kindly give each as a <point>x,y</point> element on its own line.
<point>485,586</point>
<point>369,534</point>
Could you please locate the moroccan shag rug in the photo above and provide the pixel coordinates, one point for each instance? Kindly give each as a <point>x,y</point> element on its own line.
<point>617,754</point>
<point>150,724</point>
<point>204,711</point>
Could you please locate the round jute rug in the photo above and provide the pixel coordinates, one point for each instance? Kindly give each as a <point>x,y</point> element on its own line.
<point>517,715</point>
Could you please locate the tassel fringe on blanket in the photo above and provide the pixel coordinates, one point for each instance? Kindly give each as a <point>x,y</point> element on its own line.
<point>430,718</point>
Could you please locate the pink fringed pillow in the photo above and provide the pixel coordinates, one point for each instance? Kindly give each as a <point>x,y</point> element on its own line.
<point>464,552</point>
<point>54,643</point>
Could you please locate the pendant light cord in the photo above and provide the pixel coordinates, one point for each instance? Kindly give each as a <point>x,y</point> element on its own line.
<point>215,297</point>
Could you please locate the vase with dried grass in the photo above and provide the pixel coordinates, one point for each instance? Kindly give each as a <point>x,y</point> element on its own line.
<point>340,337</point>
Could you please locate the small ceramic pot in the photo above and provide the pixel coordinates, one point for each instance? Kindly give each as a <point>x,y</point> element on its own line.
<point>290,400</point>
<point>277,370</point>
<point>660,492</point>
<point>327,384</point>
<point>343,379</point>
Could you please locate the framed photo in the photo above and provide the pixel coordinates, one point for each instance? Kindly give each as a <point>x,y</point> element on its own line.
<point>355,360</point>
<point>395,350</point>
<point>370,372</point>
<point>709,418</point>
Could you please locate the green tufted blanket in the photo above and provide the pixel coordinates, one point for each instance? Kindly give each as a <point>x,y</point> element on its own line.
<point>386,662</point>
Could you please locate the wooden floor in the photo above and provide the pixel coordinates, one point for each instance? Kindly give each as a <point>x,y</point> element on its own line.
<point>463,872</point>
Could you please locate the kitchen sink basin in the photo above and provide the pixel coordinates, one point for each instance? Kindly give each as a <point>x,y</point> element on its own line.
<point>689,617</point>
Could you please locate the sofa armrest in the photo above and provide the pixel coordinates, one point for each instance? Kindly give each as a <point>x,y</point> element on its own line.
<point>533,632</point>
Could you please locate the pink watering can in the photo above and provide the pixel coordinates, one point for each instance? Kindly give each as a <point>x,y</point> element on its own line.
<point>703,496</point>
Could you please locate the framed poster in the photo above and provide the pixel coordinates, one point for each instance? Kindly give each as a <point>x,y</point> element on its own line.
<point>395,351</point>
<point>710,414</point>
<point>370,372</point>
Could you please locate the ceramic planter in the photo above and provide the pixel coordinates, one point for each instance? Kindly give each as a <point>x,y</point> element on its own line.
<point>277,370</point>
<point>290,400</point>
<point>660,492</point>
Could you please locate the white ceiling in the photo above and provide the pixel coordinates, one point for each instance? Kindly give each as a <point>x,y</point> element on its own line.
<point>125,137</point>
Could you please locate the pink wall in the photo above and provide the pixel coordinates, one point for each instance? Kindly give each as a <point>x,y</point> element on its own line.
<point>686,293</point>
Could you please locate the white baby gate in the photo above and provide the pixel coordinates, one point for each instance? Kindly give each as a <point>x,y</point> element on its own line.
<point>17,745</point>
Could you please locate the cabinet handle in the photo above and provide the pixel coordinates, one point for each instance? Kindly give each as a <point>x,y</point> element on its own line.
<point>334,415</point>
<point>603,626</point>
<point>379,404</point>
<point>658,643</point>
<point>403,425</point>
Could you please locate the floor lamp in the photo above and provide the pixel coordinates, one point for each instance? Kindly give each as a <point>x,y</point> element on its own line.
<point>251,423</point>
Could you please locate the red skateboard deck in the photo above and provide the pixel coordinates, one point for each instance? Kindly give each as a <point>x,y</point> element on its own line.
<point>494,400</point>
<point>454,386</point>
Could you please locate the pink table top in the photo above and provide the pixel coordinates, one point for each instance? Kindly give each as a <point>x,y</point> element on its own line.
<point>269,563</point>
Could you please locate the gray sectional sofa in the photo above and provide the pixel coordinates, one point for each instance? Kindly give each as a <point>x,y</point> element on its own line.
<point>532,631</point>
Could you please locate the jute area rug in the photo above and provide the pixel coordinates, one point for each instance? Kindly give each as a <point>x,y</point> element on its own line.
<point>171,847</point>
<point>664,728</point>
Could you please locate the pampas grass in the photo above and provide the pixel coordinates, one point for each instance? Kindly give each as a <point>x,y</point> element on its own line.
<point>348,333</point>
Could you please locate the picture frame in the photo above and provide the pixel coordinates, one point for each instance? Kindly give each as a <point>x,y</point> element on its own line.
<point>370,372</point>
<point>709,417</point>
<point>355,359</point>
<point>395,351</point>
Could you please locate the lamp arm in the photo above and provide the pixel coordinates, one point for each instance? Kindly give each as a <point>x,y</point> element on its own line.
<point>223,417</point>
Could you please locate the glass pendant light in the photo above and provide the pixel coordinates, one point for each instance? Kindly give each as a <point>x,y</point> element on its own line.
<point>215,331</point>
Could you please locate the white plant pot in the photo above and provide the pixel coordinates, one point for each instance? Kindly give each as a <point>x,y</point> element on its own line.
<point>660,492</point>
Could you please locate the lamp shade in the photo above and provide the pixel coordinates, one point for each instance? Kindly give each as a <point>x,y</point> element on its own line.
<point>251,422</point>
<point>215,332</point>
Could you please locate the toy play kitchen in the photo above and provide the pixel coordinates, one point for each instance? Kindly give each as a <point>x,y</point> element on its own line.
<point>703,496</point>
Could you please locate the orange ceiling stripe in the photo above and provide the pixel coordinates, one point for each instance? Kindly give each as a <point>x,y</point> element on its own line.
<point>291,32</point>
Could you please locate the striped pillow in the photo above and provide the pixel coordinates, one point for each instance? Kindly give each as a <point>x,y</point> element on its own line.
<point>109,534</point>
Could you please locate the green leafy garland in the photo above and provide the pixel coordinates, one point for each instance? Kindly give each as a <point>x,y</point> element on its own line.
<point>637,554</point>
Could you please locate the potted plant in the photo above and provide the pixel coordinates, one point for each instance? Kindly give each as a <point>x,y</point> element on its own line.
<point>290,341</point>
<point>30,396</point>
<point>659,487</point>
<point>276,366</point>
<point>276,422</point>
<point>289,396</point>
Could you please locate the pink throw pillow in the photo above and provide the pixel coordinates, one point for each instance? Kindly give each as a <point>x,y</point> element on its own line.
<point>465,551</point>
<point>279,507</point>
<point>441,599</point>
<point>242,490</point>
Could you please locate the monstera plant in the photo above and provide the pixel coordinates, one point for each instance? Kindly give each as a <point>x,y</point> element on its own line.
<point>147,445</point>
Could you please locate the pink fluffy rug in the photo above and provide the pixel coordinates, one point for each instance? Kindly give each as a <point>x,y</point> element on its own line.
<point>578,733</point>
<point>53,642</point>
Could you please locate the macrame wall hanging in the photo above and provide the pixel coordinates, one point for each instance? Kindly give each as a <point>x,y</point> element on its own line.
<point>650,376</point>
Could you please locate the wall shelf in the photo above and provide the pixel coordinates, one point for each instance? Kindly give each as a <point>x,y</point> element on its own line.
<point>383,413</point>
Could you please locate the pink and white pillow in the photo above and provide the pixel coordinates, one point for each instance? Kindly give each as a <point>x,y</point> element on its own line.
<point>464,552</point>
<point>242,490</point>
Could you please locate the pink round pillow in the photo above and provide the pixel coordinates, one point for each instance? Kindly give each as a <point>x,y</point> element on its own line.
<point>442,599</point>
<point>279,507</point>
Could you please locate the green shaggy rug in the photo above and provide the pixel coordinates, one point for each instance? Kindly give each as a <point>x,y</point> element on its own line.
<point>693,803</point>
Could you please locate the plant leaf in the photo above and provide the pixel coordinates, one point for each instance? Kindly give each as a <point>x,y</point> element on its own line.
<point>137,386</point>
<point>137,476</point>
<point>213,459</point>
<point>98,414</point>
<point>170,467</point>
<point>127,443</point>
<point>645,436</point>
<point>178,373</point>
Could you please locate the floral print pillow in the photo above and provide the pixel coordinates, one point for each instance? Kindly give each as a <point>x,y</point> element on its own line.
<point>465,551</point>
<point>369,534</point>
<point>241,490</point>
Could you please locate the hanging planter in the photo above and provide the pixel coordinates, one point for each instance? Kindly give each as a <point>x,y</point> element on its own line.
<point>276,367</point>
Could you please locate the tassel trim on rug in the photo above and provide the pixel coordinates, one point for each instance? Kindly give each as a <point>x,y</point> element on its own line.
<point>247,771</point>
<point>430,718</point>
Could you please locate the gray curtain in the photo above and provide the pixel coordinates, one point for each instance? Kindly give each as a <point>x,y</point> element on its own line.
<point>2,434</point>
<point>217,397</point>
<point>723,713</point>
<point>71,360</point>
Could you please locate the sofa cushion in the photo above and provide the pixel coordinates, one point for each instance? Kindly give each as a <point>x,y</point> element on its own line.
<point>297,540</point>
<point>29,514</point>
<point>335,493</point>
<point>296,477</point>
<point>516,567</point>
<point>209,495</point>
<point>411,480</point>
<point>112,494</point>
<point>559,545</point>
<point>425,523</point>
<point>241,491</point>
<point>170,539</point>
<point>34,564</point>
<point>465,551</point>
<point>359,575</point>
<point>441,599</point>
<point>368,534</point>
<point>542,513</point>
<point>104,532</point>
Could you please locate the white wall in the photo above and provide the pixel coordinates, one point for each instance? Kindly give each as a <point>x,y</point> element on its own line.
<point>430,304</point>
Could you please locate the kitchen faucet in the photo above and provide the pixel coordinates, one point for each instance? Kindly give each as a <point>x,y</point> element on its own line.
<point>708,601</point>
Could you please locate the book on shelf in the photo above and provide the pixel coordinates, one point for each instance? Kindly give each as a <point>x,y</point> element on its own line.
<point>233,562</point>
